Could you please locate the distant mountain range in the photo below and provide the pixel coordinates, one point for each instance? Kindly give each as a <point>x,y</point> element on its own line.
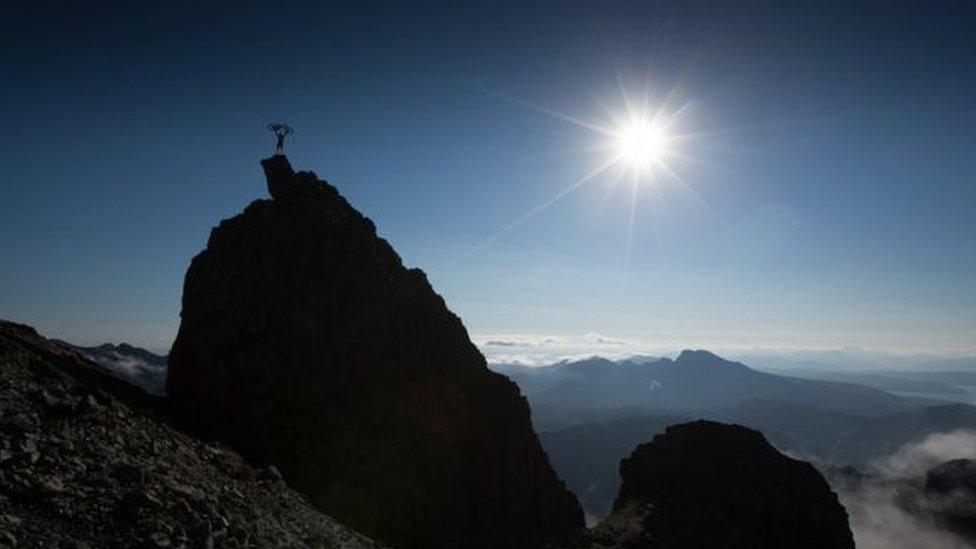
<point>940,383</point>
<point>130,363</point>
<point>854,360</point>
<point>695,380</point>
<point>591,413</point>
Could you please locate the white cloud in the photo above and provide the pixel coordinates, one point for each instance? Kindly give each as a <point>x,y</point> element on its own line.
<point>914,460</point>
<point>879,522</point>
<point>543,349</point>
<point>893,511</point>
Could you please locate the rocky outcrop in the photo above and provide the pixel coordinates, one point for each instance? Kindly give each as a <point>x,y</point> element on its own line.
<point>305,343</point>
<point>87,460</point>
<point>951,493</point>
<point>957,475</point>
<point>706,484</point>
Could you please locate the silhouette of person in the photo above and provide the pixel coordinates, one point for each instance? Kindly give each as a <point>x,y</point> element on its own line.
<point>280,131</point>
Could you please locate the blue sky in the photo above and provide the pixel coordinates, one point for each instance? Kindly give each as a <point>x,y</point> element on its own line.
<point>828,196</point>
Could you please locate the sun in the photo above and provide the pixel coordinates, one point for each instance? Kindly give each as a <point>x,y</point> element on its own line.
<point>642,143</point>
<point>638,141</point>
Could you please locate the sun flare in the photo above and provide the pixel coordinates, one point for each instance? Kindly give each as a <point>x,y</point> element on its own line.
<point>639,141</point>
<point>642,143</point>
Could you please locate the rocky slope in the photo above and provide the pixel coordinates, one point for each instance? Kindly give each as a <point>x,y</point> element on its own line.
<point>706,484</point>
<point>87,460</point>
<point>305,343</point>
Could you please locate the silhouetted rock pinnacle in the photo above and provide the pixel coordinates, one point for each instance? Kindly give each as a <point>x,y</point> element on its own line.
<point>707,484</point>
<point>305,343</point>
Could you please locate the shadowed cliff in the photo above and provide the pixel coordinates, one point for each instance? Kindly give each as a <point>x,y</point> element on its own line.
<point>305,343</point>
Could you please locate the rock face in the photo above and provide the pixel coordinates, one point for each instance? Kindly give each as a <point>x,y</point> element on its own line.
<point>306,344</point>
<point>706,484</point>
<point>87,460</point>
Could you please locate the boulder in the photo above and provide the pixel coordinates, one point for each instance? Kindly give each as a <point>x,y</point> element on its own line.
<point>706,484</point>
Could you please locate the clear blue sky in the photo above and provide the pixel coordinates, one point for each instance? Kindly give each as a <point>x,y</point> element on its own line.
<point>830,195</point>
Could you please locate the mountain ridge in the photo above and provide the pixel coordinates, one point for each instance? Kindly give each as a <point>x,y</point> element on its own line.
<point>695,380</point>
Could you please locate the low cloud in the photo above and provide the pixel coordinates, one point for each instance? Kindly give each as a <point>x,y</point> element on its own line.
<point>880,520</point>
<point>544,349</point>
<point>520,341</point>
<point>892,510</point>
<point>914,460</point>
<point>496,343</point>
<point>604,340</point>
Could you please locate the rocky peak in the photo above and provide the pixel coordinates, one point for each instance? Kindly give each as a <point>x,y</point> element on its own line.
<point>706,484</point>
<point>284,183</point>
<point>706,359</point>
<point>279,173</point>
<point>690,356</point>
<point>305,343</point>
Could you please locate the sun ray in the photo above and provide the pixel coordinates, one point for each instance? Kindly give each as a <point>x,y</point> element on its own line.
<point>686,187</point>
<point>614,183</point>
<point>552,113</point>
<point>624,94</point>
<point>536,210</point>
<point>630,221</point>
<point>607,110</point>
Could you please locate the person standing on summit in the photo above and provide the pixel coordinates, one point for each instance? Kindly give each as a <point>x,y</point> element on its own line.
<point>280,131</point>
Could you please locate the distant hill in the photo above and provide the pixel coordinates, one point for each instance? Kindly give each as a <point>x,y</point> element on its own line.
<point>133,364</point>
<point>695,380</point>
<point>952,377</point>
<point>855,360</point>
<point>911,381</point>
